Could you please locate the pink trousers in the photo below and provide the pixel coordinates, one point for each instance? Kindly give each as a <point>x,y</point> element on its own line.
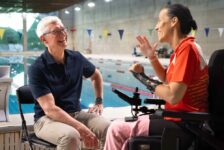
<point>119,132</point>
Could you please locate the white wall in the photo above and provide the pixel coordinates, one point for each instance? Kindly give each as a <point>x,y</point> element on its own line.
<point>135,17</point>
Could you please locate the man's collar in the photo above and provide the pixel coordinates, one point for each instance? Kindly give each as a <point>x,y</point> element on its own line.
<point>49,57</point>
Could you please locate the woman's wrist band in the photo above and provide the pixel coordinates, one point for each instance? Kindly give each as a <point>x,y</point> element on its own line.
<point>153,58</point>
<point>98,100</point>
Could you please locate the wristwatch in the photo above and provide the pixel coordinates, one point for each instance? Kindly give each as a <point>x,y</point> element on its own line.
<point>98,100</point>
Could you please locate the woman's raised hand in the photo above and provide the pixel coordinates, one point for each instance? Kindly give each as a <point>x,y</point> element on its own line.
<point>145,47</point>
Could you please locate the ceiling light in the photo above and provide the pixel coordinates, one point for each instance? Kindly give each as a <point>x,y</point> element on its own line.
<point>9,9</point>
<point>77,8</point>
<point>67,12</point>
<point>107,1</point>
<point>20,9</point>
<point>91,4</point>
<point>29,10</point>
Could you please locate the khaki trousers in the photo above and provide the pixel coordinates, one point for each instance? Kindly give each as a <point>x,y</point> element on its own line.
<point>67,137</point>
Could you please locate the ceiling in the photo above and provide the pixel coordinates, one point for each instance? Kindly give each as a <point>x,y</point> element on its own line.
<point>35,6</point>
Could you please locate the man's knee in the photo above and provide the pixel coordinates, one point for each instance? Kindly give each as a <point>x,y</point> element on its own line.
<point>99,126</point>
<point>71,138</point>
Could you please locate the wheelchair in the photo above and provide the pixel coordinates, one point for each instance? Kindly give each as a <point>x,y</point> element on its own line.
<point>206,130</point>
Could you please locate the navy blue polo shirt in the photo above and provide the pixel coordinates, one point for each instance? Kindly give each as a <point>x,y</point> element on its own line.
<point>64,81</point>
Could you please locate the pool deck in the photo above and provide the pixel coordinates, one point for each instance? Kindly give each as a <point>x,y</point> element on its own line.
<point>123,57</point>
<point>126,58</point>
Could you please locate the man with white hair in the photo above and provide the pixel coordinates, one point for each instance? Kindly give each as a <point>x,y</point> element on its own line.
<point>55,79</point>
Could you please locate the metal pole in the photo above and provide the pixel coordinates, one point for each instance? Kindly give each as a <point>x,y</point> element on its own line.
<point>25,46</point>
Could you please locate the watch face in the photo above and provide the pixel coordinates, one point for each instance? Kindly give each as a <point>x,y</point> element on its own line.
<point>99,100</point>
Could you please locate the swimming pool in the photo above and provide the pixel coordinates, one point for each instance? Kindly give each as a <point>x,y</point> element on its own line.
<point>115,74</point>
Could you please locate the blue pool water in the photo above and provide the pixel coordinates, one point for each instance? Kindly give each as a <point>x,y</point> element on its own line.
<point>115,74</point>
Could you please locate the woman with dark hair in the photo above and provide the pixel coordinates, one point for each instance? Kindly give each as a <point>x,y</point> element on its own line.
<point>184,81</point>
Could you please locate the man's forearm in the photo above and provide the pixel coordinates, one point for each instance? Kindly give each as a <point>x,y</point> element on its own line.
<point>98,88</point>
<point>60,115</point>
<point>97,82</point>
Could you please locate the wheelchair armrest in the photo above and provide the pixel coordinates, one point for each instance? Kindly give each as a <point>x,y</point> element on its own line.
<point>155,101</point>
<point>193,116</point>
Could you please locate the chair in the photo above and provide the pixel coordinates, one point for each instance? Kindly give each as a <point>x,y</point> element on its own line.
<point>5,84</point>
<point>206,128</point>
<point>24,96</point>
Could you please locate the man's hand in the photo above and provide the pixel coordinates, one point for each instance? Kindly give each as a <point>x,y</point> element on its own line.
<point>89,138</point>
<point>97,108</point>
